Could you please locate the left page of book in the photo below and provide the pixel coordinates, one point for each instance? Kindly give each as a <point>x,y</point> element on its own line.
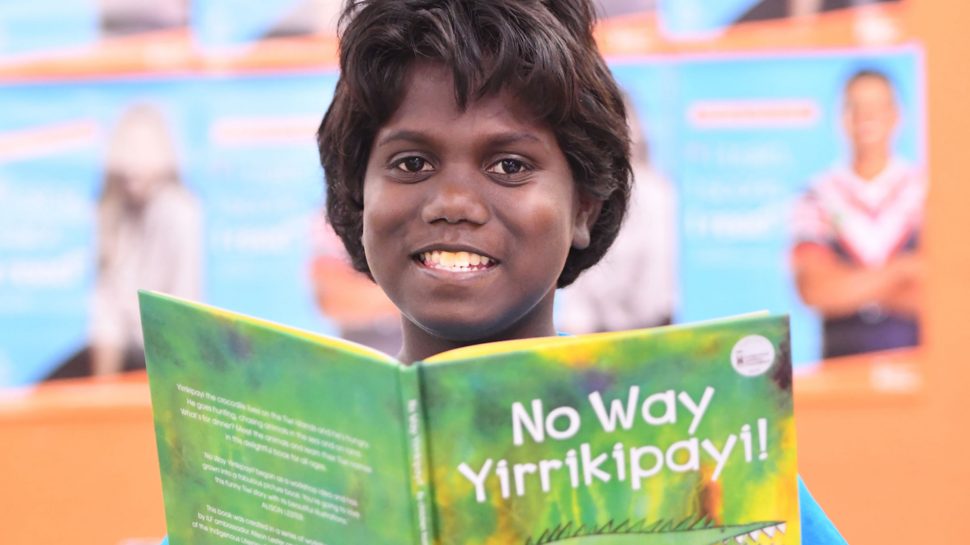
<point>272,435</point>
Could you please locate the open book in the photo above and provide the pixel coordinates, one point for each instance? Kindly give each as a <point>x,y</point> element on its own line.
<point>271,435</point>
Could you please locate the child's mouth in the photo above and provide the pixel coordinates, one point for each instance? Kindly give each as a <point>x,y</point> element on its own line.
<point>455,261</point>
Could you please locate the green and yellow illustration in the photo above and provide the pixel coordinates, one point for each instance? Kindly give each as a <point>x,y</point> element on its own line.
<point>269,435</point>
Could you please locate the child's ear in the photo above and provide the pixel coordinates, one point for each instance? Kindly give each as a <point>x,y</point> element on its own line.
<point>586,214</point>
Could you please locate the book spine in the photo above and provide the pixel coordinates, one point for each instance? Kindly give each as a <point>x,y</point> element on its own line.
<point>420,490</point>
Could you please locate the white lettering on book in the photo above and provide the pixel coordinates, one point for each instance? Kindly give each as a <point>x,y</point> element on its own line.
<point>271,435</point>
<point>657,409</point>
<point>586,465</point>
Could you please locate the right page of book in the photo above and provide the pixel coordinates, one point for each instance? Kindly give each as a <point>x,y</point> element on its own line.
<point>676,435</point>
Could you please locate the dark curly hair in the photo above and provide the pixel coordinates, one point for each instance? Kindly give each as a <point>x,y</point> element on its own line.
<point>542,51</point>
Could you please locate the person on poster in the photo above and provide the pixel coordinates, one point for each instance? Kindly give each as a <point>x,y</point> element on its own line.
<point>634,286</point>
<point>149,237</point>
<point>855,256</point>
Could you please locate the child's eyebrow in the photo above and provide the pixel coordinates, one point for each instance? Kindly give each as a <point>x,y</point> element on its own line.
<point>512,138</point>
<point>500,139</point>
<point>403,135</point>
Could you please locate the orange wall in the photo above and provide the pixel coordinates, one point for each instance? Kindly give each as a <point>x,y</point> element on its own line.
<point>895,471</point>
<point>78,465</point>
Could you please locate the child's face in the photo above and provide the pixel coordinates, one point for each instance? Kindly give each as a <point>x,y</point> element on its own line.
<point>469,215</point>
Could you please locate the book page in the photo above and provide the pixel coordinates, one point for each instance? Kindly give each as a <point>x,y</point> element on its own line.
<point>674,435</point>
<point>272,438</point>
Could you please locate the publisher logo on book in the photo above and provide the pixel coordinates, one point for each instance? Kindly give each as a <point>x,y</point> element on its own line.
<point>752,355</point>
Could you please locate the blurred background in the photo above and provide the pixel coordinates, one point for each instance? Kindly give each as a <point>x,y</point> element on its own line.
<point>800,156</point>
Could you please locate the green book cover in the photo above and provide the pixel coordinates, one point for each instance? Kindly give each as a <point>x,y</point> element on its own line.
<point>271,435</point>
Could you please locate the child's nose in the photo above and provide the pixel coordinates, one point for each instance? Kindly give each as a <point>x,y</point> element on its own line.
<point>457,197</point>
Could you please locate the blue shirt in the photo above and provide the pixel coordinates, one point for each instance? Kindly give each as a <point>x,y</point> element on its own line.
<point>817,529</point>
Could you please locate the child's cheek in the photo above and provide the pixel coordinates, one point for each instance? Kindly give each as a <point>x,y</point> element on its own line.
<point>389,207</point>
<point>544,221</point>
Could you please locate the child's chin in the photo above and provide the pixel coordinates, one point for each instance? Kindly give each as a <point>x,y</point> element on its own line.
<point>461,331</point>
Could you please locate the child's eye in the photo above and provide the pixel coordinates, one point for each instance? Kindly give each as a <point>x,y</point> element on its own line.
<point>413,164</point>
<point>508,167</point>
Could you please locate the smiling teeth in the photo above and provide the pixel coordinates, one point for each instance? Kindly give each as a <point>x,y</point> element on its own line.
<point>455,261</point>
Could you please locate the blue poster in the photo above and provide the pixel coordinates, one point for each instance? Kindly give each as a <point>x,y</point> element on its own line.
<point>699,18</point>
<point>725,147</point>
<point>635,285</point>
<point>53,172</point>
<point>227,23</point>
<point>208,188</point>
<point>754,134</point>
<point>47,25</point>
<point>259,175</point>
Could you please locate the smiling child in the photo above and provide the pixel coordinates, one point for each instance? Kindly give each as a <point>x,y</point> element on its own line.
<point>476,158</point>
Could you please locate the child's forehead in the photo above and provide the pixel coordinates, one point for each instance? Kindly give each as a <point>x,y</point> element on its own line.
<point>430,90</point>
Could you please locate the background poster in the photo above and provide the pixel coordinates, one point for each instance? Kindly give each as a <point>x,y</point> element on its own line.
<point>728,143</point>
<point>753,132</point>
<point>225,23</point>
<point>699,18</point>
<point>258,207</point>
<point>63,28</point>
<point>44,25</point>
<point>734,138</point>
<point>635,285</point>
<point>702,19</point>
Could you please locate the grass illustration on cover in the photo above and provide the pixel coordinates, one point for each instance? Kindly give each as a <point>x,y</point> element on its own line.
<point>271,435</point>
